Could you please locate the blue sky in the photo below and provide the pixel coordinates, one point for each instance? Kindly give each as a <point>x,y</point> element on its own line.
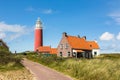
<point>97,19</point>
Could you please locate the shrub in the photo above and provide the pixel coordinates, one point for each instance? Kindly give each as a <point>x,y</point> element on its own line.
<point>9,60</point>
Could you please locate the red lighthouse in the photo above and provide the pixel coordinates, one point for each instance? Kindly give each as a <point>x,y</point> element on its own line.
<point>38,35</point>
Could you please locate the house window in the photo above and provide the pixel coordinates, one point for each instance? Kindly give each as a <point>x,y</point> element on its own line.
<point>61,46</point>
<point>68,54</point>
<point>66,46</point>
<point>74,54</point>
<point>95,53</point>
<point>61,54</point>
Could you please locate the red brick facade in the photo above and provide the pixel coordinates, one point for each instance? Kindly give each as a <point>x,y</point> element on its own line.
<point>64,47</point>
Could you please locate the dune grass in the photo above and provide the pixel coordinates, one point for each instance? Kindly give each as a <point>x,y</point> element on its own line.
<point>9,61</point>
<point>11,67</point>
<point>94,69</point>
<point>21,74</point>
<point>104,67</point>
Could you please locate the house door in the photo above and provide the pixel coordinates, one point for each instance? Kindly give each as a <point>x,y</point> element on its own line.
<point>86,55</point>
<point>79,55</point>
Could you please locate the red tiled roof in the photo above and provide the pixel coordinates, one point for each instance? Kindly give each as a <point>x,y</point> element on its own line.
<point>47,49</point>
<point>44,49</point>
<point>53,51</point>
<point>78,43</point>
<point>93,44</point>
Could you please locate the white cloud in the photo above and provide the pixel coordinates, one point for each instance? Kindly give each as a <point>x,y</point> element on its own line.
<point>116,17</point>
<point>47,11</point>
<point>14,36</point>
<point>12,31</point>
<point>118,36</point>
<point>106,36</point>
<point>39,10</point>
<point>2,35</point>
<point>11,28</point>
<point>109,42</point>
<point>114,14</point>
<point>109,46</point>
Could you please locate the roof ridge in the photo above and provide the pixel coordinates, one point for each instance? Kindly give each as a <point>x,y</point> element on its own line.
<point>74,36</point>
<point>76,42</point>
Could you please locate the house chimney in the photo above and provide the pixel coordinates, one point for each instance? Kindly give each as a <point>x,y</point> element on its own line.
<point>84,37</point>
<point>64,34</point>
<point>78,36</point>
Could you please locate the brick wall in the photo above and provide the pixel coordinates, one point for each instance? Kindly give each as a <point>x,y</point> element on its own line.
<point>64,47</point>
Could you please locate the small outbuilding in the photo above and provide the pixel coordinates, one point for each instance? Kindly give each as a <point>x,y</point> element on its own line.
<point>47,50</point>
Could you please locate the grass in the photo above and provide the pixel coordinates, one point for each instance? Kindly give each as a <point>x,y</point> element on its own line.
<point>21,74</point>
<point>104,67</point>
<point>94,69</point>
<point>9,61</point>
<point>11,68</point>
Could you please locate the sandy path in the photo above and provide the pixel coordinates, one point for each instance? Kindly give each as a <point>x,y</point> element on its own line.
<point>43,73</point>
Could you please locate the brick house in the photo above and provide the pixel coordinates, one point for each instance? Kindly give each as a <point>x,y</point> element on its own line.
<point>72,46</point>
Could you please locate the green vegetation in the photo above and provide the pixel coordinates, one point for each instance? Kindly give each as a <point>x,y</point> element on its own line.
<point>9,61</point>
<point>11,68</point>
<point>104,67</point>
<point>43,59</point>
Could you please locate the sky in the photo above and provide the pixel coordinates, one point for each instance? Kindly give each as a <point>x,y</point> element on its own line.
<point>96,19</point>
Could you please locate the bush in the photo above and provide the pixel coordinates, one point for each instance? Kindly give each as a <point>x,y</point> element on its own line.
<point>8,60</point>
